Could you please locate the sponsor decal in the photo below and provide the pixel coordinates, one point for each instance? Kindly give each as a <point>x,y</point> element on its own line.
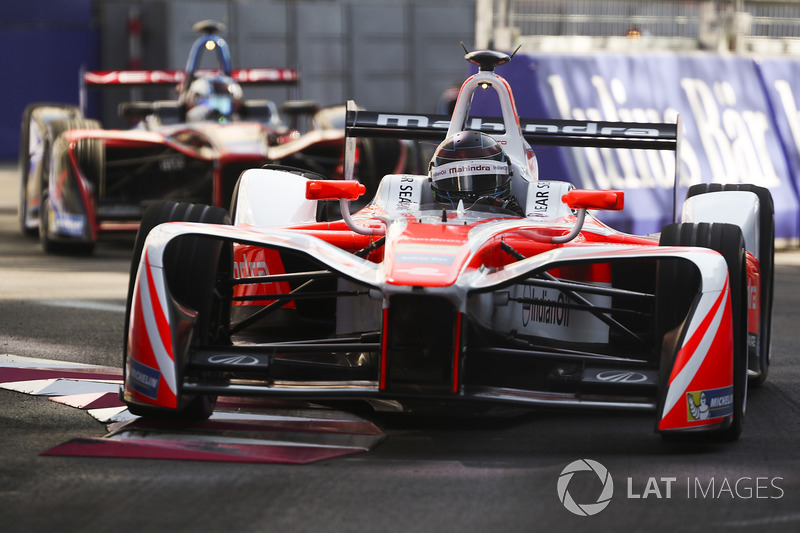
<point>124,77</point>
<point>752,296</point>
<point>261,75</point>
<point>540,203</point>
<point>172,164</point>
<point>590,128</point>
<point>478,124</point>
<point>69,224</point>
<point>621,376</point>
<point>468,168</point>
<point>706,404</point>
<point>143,379</point>
<point>407,194</point>
<point>246,269</point>
<point>137,77</point>
<point>541,311</point>
<point>424,259</point>
<point>409,121</point>
<point>752,341</point>
<point>238,360</point>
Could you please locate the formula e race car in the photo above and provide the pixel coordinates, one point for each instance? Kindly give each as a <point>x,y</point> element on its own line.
<point>446,288</point>
<point>79,180</point>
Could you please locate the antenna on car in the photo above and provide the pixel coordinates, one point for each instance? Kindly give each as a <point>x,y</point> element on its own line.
<point>488,59</point>
<point>208,27</point>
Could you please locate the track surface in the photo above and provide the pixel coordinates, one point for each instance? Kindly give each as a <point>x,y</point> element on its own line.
<point>431,474</point>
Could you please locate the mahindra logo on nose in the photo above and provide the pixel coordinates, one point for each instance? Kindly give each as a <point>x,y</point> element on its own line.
<point>621,376</point>
<point>233,360</point>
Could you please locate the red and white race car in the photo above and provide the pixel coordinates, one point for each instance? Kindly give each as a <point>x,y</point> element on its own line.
<point>477,282</point>
<point>79,180</point>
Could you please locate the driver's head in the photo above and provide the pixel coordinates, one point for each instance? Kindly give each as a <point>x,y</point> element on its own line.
<point>215,98</point>
<point>467,166</point>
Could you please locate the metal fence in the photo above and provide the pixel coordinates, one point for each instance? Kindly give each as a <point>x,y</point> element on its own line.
<point>739,25</point>
<point>779,21</point>
<point>604,18</point>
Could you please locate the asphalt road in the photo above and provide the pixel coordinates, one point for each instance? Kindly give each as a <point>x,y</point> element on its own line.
<point>431,474</point>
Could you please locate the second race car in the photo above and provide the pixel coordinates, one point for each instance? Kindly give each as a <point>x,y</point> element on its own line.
<point>79,180</point>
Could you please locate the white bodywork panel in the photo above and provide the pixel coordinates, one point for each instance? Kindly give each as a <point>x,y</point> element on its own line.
<point>730,207</point>
<point>542,200</point>
<point>400,193</point>
<point>268,198</point>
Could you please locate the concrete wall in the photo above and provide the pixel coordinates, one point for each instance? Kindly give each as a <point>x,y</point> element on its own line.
<point>391,55</point>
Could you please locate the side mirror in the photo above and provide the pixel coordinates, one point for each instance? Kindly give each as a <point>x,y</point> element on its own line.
<point>594,199</point>
<point>334,190</point>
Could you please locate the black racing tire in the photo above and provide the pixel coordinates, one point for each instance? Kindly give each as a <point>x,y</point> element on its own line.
<point>38,115</point>
<point>204,262</point>
<point>726,239</point>
<point>766,252</point>
<point>90,160</point>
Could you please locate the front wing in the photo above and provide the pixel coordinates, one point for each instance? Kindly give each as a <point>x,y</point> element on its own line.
<point>556,329</point>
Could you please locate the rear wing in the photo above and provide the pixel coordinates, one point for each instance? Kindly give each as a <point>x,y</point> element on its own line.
<point>543,132</point>
<point>154,78</point>
<point>131,79</point>
<point>540,132</point>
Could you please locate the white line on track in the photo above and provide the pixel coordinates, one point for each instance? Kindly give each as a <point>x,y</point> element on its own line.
<point>84,304</point>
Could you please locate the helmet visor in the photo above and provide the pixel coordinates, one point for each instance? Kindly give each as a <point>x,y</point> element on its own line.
<point>474,175</point>
<point>222,104</point>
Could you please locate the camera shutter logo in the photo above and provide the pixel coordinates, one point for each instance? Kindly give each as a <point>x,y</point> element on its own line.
<point>586,509</point>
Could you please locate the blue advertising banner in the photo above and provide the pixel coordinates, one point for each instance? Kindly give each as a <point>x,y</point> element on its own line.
<point>729,133</point>
<point>45,44</point>
<point>48,71</point>
<point>781,80</point>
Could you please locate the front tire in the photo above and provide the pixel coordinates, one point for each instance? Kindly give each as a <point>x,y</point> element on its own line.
<point>194,265</point>
<point>766,256</point>
<point>726,239</point>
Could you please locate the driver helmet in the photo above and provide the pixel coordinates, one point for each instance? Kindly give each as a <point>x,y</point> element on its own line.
<point>216,98</point>
<point>467,166</point>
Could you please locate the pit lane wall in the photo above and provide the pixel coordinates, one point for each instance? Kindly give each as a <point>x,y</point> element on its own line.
<point>740,125</point>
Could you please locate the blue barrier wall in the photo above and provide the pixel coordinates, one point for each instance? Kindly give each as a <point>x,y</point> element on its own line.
<point>733,131</point>
<point>45,43</point>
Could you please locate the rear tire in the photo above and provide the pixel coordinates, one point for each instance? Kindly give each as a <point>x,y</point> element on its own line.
<point>766,253</point>
<point>726,239</point>
<point>205,260</point>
